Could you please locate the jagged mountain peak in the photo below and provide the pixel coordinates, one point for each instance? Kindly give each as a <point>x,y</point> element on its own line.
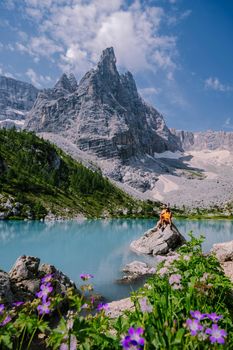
<point>105,114</point>
<point>129,83</point>
<point>107,56</point>
<point>73,81</point>
<point>64,84</point>
<point>107,62</point>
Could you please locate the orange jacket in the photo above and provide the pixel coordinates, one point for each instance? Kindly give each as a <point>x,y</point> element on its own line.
<point>167,215</point>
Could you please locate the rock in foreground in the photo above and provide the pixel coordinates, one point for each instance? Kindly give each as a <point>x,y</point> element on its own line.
<point>117,308</point>
<point>158,242</point>
<point>23,280</point>
<point>224,253</point>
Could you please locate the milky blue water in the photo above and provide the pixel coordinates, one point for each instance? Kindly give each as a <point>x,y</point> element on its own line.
<point>100,247</point>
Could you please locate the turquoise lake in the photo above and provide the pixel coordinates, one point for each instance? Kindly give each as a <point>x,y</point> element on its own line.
<point>100,247</point>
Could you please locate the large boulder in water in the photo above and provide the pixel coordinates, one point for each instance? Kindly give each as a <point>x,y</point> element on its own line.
<point>158,241</point>
<point>136,270</point>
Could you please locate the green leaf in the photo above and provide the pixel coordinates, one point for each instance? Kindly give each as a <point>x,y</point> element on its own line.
<point>179,336</point>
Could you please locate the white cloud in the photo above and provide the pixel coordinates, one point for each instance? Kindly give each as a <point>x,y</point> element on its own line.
<point>185,14</point>
<point>213,83</point>
<point>170,76</point>
<point>163,60</point>
<point>228,124</point>
<point>148,91</point>
<point>39,46</point>
<point>23,35</point>
<point>34,13</point>
<point>9,4</point>
<point>5,73</point>
<point>74,32</point>
<point>37,79</point>
<point>177,17</point>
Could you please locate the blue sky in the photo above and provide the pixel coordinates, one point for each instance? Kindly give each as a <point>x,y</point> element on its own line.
<point>180,51</point>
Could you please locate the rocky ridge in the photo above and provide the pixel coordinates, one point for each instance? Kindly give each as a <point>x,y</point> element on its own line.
<point>16,99</point>
<point>205,140</point>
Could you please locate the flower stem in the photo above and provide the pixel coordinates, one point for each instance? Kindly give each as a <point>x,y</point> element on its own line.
<point>32,336</point>
<point>23,335</point>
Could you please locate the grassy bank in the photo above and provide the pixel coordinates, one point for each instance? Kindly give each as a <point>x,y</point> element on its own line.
<point>204,216</point>
<point>36,178</point>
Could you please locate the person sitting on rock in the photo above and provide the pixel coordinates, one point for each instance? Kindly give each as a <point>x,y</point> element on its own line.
<point>165,217</point>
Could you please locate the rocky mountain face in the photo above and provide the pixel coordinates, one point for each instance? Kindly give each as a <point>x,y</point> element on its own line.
<point>103,114</point>
<point>16,99</point>
<point>206,140</point>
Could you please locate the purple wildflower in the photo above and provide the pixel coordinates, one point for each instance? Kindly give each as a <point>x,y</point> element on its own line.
<point>175,278</point>
<point>86,276</point>
<point>163,271</point>
<point>152,270</point>
<point>73,344</point>
<point>44,308</point>
<point>170,259</point>
<point>135,334</point>
<point>160,258</point>
<point>6,320</point>
<point>125,342</point>
<point>145,305</point>
<point>2,307</point>
<point>194,326</point>
<point>133,340</point>
<point>129,344</point>
<point>214,317</point>
<point>186,257</point>
<point>17,303</point>
<point>45,289</point>
<point>217,335</point>
<point>198,315</point>
<point>85,306</point>
<point>103,306</point>
<point>47,278</point>
<point>204,277</point>
<point>64,346</point>
<point>69,323</point>
<point>177,286</point>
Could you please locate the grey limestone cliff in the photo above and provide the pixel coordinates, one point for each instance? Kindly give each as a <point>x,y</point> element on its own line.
<point>205,140</point>
<point>16,99</point>
<point>103,115</point>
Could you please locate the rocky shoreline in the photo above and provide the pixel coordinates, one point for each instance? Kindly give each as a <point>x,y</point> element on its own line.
<point>23,280</point>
